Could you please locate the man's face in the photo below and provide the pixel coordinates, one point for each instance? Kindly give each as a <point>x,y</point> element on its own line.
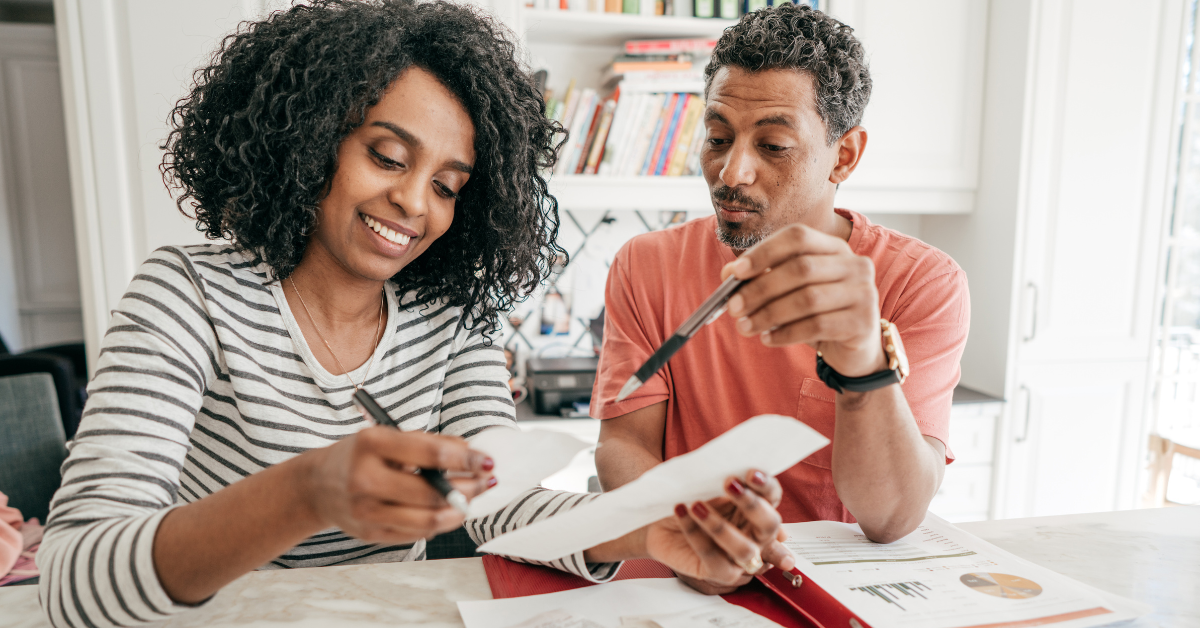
<point>765,157</point>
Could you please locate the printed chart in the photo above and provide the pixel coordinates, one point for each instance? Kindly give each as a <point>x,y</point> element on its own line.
<point>1002,585</point>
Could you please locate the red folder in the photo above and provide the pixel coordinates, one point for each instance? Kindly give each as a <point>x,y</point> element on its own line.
<point>771,595</point>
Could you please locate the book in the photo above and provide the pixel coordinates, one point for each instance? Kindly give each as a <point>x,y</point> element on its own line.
<point>643,135</point>
<point>622,115</point>
<point>672,134</point>
<point>612,6</point>
<point>704,8</point>
<point>570,100</point>
<point>753,5</point>
<point>691,166</point>
<point>660,130</point>
<point>584,108</point>
<point>586,147</point>
<point>691,118</point>
<point>599,143</point>
<point>622,67</point>
<point>646,7</point>
<point>700,47</point>
<point>629,6</point>
<point>728,9</point>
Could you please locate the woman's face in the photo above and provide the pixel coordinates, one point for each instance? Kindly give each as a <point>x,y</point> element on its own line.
<point>397,179</point>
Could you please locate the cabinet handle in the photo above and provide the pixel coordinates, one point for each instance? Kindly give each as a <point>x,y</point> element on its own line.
<point>1033,317</point>
<point>1028,397</point>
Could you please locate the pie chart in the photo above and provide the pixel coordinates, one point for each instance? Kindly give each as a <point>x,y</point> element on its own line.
<point>1001,585</point>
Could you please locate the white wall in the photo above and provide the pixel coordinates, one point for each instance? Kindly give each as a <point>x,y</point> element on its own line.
<point>124,64</point>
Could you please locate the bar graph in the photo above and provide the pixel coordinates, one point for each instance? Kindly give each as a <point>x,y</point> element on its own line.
<point>896,592</point>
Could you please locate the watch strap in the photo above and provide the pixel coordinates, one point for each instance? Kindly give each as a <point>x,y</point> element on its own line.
<point>841,383</point>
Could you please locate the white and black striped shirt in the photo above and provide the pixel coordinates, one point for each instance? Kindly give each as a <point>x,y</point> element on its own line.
<point>204,378</point>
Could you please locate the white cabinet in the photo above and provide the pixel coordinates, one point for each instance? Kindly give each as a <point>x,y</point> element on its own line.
<point>923,121</point>
<point>1070,445</point>
<point>1094,182</point>
<point>966,490</point>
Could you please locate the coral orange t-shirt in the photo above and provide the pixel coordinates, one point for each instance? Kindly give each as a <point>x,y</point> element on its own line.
<point>720,378</point>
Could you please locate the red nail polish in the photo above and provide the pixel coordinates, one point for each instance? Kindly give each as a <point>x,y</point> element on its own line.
<point>759,479</point>
<point>680,510</point>
<point>488,464</point>
<point>492,482</point>
<point>700,510</point>
<point>735,487</point>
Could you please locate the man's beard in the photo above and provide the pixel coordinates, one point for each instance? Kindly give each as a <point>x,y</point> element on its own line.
<point>734,235</point>
<point>740,240</point>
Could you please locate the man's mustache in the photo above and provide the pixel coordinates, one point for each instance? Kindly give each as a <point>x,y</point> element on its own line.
<point>733,196</point>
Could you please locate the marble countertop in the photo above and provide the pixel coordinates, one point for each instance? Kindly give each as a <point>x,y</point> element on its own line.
<point>1149,555</point>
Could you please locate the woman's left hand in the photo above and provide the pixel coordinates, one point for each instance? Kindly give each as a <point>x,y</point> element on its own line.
<point>719,545</point>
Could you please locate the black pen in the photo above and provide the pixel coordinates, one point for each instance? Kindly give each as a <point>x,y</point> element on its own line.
<point>435,477</point>
<point>708,312</point>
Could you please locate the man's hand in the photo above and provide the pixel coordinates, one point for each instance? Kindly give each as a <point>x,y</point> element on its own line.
<point>710,545</point>
<point>809,287</point>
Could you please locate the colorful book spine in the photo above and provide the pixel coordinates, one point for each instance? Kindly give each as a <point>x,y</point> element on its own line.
<point>629,6</point>
<point>660,131</point>
<point>645,134</point>
<point>727,9</point>
<point>633,137</point>
<point>691,119</point>
<point>595,146</point>
<point>616,133</point>
<point>670,46</point>
<point>612,6</point>
<point>567,161</point>
<point>704,8</point>
<point>672,134</point>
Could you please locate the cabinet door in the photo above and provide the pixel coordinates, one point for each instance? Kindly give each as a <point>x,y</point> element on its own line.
<point>1096,173</point>
<point>923,119</point>
<point>1072,439</point>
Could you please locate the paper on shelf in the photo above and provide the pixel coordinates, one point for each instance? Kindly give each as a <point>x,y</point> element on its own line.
<point>769,443</point>
<point>523,459</point>
<point>611,605</point>
<point>942,577</point>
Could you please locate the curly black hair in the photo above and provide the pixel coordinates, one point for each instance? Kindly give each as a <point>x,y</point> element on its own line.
<point>798,37</point>
<point>254,144</point>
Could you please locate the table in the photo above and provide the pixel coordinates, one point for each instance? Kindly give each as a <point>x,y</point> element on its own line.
<point>1150,555</point>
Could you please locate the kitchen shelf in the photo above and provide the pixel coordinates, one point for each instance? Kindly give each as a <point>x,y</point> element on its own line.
<point>584,192</point>
<point>612,29</point>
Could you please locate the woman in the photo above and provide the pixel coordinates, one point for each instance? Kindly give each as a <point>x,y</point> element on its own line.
<point>376,168</point>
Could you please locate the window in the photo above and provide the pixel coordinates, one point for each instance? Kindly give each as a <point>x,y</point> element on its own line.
<point>1178,385</point>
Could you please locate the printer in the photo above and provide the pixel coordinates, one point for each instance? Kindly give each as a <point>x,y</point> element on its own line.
<point>557,384</point>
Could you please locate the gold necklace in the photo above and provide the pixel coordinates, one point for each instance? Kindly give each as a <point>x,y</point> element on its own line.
<point>382,302</point>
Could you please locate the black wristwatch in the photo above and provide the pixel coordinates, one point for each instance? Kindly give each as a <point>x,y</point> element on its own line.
<point>896,372</point>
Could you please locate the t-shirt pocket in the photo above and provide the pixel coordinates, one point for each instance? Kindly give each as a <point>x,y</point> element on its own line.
<point>816,409</point>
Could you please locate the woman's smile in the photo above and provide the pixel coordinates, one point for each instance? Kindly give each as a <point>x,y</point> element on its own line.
<point>388,237</point>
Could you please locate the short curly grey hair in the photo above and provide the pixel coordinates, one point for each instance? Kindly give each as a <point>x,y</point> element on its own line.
<point>800,38</point>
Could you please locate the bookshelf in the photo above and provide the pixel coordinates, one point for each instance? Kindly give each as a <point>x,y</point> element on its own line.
<point>924,119</point>
<point>612,29</point>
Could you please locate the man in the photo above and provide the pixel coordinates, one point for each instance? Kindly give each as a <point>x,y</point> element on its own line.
<point>785,91</point>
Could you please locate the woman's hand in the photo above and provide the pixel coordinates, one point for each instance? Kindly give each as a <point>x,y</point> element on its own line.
<point>715,546</point>
<point>366,485</point>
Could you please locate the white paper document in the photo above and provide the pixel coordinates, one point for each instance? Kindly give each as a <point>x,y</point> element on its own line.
<point>942,577</point>
<point>523,459</point>
<point>645,603</point>
<point>769,443</point>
